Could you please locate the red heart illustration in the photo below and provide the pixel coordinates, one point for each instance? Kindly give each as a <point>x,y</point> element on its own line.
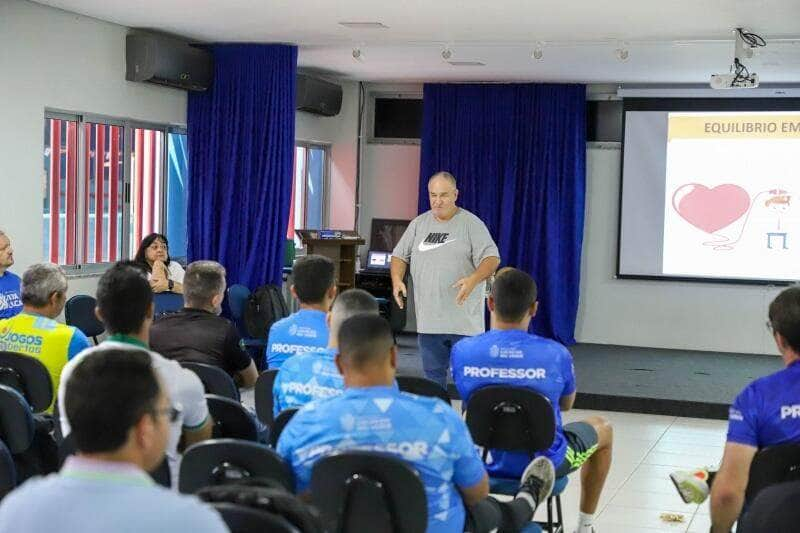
<point>710,209</point>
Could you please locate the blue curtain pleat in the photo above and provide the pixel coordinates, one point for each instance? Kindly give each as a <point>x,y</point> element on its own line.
<point>518,152</point>
<point>241,155</point>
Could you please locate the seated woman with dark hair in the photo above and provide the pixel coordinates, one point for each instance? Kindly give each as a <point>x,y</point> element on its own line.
<point>153,256</point>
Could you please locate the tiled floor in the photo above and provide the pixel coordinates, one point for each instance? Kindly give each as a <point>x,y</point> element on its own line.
<point>646,449</point>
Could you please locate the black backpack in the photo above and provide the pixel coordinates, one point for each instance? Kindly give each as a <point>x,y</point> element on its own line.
<point>264,307</point>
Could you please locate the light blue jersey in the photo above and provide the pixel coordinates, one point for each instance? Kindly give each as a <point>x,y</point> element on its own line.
<point>300,332</point>
<point>306,377</point>
<point>767,411</point>
<point>425,432</point>
<point>10,295</point>
<point>516,359</point>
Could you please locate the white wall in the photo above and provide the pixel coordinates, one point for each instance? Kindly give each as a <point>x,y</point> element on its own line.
<point>695,316</point>
<point>54,59</point>
<point>340,132</point>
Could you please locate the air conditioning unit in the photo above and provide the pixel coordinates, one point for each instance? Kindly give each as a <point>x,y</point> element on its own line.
<point>317,96</point>
<point>165,60</point>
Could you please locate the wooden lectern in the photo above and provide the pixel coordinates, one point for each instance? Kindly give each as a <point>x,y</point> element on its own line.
<point>341,248</point>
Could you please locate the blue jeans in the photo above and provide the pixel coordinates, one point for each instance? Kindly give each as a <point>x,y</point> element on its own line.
<point>435,351</point>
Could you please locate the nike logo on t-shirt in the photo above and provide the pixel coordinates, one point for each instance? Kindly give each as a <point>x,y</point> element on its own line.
<point>426,247</point>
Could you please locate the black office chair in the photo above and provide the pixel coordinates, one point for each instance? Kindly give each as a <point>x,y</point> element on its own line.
<point>79,312</point>
<point>29,377</point>
<point>225,461</point>
<point>369,491</point>
<point>281,420</point>
<point>422,387</point>
<point>215,380</point>
<point>231,419</point>
<point>18,433</point>
<point>263,394</point>
<point>244,519</point>
<point>772,465</point>
<point>8,472</point>
<point>161,475</point>
<point>166,303</point>
<point>516,420</point>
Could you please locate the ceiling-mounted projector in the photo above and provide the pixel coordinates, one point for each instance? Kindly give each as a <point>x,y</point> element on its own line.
<point>739,76</point>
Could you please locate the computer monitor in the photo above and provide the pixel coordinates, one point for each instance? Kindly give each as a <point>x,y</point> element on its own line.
<point>386,233</point>
<point>379,260</point>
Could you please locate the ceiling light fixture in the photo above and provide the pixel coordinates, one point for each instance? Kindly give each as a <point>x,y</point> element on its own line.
<point>538,51</point>
<point>364,25</point>
<point>467,63</point>
<point>621,53</point>
<point>358,55</point>
<point>447,53</point>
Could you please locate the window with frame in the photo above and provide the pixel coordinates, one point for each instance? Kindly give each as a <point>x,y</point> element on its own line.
<point>97,208</point>
<point>309,188</point>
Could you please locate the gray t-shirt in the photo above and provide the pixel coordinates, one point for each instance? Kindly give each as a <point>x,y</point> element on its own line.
<point>441,253</point>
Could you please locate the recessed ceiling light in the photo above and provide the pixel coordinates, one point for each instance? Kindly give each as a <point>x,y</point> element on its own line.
<point>467,63</point>
<point>364,25</point>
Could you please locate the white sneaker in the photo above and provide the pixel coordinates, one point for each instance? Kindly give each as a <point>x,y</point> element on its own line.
<point>538,479</point>
<point>691,485</point>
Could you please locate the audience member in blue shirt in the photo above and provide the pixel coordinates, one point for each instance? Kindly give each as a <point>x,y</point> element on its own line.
<point>10,299</point>
<point>314,286</point>
<point>313,375</point>
<point>509,355</point>
<point>765,413</point>
<point>120,417</point>
<point>374,415</point>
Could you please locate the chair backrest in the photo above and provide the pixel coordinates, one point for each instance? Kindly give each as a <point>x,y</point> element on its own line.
<point>231,419</point>
<point>29,377</point>
<point>422,387</point>
<point>79,312</point>
<point>511,418</point>
<point>166,303</point>
<point>277,427</point>
<point>369,491</point>
<point>243,519</point>
<point>222,461</point>
<point>8,472</point>
<point>263,393</point>
<point>771,465</point>
<point>17,427</point>
<point>237,296</point>
<point>215,380</point>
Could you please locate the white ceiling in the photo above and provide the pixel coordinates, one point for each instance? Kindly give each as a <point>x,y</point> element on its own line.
<point>676,41</point>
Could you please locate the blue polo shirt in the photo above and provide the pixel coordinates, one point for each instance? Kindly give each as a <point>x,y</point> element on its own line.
<point>767,411</point>
<point>10,295</point>
<point>517,359</point>
<point>306,377</point>
<point>425,432</point>
<point>303,331</point>
<point>97,496</point>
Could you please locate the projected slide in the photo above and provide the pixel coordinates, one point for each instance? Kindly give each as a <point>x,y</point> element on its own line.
<point>732,195</point>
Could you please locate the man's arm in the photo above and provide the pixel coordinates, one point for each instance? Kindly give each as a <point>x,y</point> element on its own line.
<point>727,490</point>
<point>465,285</point>
<point>247,378</point>
<point>398,271</point>
<point>247,373</point>
<point>566,402</point>
<point>475,493</point>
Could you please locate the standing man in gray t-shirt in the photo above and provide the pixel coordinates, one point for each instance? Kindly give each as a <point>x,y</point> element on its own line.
<point>451,255</point>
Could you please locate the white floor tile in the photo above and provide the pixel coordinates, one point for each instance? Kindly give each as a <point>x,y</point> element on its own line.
<point>614,517</point>
<point>629,496</point>
<point>682,461</point>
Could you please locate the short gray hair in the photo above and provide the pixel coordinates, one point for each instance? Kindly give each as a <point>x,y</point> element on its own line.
<point>203,280</point>
<point>40,281</point>
<point>446,176</point>
<point>350,303</point>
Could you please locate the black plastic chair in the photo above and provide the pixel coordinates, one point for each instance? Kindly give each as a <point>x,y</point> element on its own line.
<point>17,432</point>
<point>215,380</point>
<point>516,420</point>
<point>243,519</point>
<point>161,475</point>
<point>422,387</point>
<point>29,377</point>
<point>369,491</point>
<point>263,394</point>
<point>772,465</point>
<point>8,472</point>
<point>231,419</point>
<point>167,303</point>
<point>278,426</point>
<point>79,312</point>
<point>223,461</point>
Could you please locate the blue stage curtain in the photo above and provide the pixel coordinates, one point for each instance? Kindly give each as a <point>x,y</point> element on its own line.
<point>518,152</point>
<point>241,151</point>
